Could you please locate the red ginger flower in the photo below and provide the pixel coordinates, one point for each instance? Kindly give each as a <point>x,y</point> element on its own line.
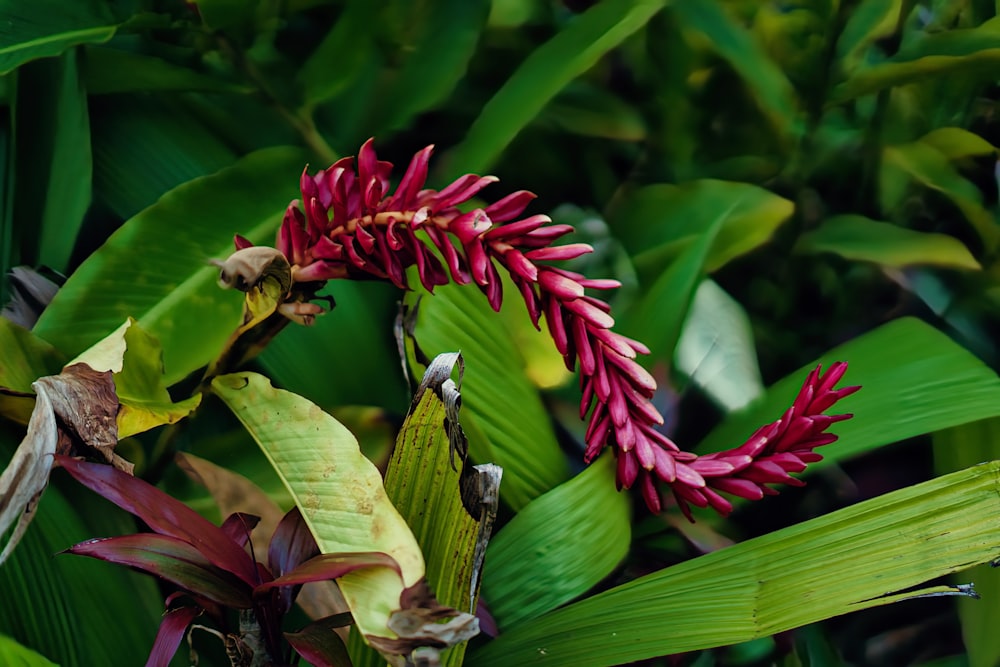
<point>348,225</point>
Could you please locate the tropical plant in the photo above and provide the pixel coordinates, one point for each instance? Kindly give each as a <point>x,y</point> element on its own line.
<point>731,200</point>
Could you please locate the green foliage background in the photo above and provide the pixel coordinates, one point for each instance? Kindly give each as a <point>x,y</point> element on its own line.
<point>775,183</point>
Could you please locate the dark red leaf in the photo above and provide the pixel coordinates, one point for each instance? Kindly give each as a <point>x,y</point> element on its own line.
<point>163,514</point>
<point>238,526</point>
<point>319,644</point>
<point>171,559</point>
<point>291,545</point>
<point>330,566</point>
<point>171,632</point>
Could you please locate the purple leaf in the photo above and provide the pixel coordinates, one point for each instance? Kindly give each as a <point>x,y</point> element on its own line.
<point>163,514</point>
<point>171,632</point>
<point>319,644</point>
<point>291,544</point>
<point>330,566</point>
<point>238,527</point>
<point>171,559</point>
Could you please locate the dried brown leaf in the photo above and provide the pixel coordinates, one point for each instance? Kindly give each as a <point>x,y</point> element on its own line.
<point>27,474</point>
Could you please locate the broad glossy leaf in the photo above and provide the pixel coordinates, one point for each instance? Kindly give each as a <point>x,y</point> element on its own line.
<point>458,317</point>
<point>654,219</point>
<point>320,463</point>
<point>543,74</point>
<point>53,158</point>
<point>954,449</point>
<point>13,653</point>
<point>110,70</point>
<point>716,348</point>
<point>75,611</point>
<point>163,514</point>
<point>859,238</point>
<point>914,380</point>
<point>155,267</point>
<point>558,546</point>
<point>45,28</point>
<point>173,560</point>
<point>970,52</point>
<point>776,582</point>
<point>129,129</point>
<point>925,165</point>
<point>736,45</point>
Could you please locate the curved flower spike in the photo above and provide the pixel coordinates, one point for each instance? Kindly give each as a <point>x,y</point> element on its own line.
<point>349,225</point>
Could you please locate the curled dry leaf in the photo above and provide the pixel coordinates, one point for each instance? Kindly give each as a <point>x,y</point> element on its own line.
<point>27,474</point>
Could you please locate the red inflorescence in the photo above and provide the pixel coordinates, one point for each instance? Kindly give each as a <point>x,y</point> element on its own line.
<point>349,225</point>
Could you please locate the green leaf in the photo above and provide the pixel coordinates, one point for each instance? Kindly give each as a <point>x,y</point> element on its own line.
<point>352,345</point>
<point>338,490</point>
<point>971,52</point>
<point>14,654</point>
<point>954,449</point>
<point>776,582</point>
<point>868,22</point>
<point>458,317</point>
<point>24,357</point>
<point>558,547</point>
<point>656,218</point>
<point>75,611</point>
<point>543,74</point>
<point>340,58</point>
<point>129,129</point>
<point>716,348</point>
<point>155,267</point>
<point>734,43</point>
<point>859,238</point>
<point>45,28</point>
<point>428,72</point>
<point>923,164</point>
<point>221,14</point>
<point>110,70</point>
<point>53,158</point>
<point>914,380</point>
<point>958,144</point>
<point>594,111</point>
<point>433,496</point>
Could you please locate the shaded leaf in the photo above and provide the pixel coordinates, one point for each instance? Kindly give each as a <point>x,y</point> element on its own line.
<point>165,250</point>
<point>24,357</point>
<point>558,547</point>
<point>970,51</point>
<point>764,77</point>
<point>543,74</point>
<point>914,380</point>
<point>956,143</point>
<point>776,582</point>
<point>110,70</point>
<point>44,28</point>
<point>53,158</point>
<point>322,467</point>
<point>319,644</point>
<point>868,22</point>
<point>716,348</point>
<point>163,514</point>
<point>859,238</point>
<point>232,493</point>
<point>173,560</point>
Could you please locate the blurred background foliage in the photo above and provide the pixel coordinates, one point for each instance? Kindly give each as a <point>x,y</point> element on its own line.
<point>768,179</point>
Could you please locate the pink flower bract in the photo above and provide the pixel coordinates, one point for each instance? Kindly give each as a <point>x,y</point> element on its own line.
<point>350,224</point>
